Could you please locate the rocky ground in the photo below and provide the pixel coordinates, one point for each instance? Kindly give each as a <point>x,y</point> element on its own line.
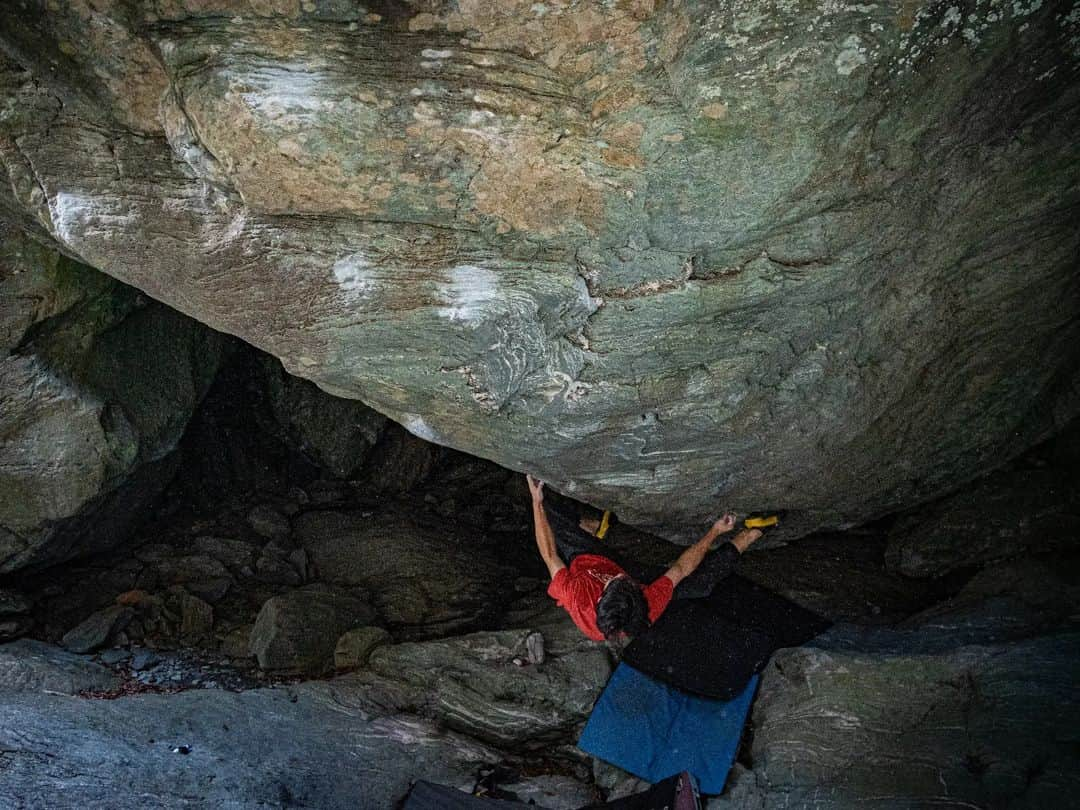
<point>321,607</point>
<point>299,649</point>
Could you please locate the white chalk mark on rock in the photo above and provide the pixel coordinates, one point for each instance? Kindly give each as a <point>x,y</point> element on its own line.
<point>418,427</point>
<point>353,276</point>
<point>470,292</point>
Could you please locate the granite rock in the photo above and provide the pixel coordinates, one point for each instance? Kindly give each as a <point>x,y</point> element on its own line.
<point>240,751</point>
<point>967,726</point>
<point>298,631</point>
<point>1008,514</point>
<point>97,629</point>
<point>966,703</point>
<point>672,258</point>
<point>34,666</point>
<point>355,646</point>
<point>96,387</point>
<point>15,618</point>
<point>427,579</point>
<point>483,685</point>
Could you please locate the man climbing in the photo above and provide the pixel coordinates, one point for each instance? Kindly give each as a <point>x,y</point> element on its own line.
<point>602,598</point>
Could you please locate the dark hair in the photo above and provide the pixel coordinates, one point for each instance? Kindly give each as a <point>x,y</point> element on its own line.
<point>622,609</point>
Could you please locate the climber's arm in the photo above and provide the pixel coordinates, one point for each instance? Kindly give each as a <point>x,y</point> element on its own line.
<point>690,559</point>
<point>545,537</point>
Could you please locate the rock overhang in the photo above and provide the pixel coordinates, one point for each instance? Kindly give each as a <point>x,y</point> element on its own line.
<point>670,258</point>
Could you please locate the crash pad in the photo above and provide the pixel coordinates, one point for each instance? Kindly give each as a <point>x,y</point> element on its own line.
<point>711,646</point>
<point>654,731</point>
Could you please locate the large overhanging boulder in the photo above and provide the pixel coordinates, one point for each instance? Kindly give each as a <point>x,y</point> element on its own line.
<point>672,257</point>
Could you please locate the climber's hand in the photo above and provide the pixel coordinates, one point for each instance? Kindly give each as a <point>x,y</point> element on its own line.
<point>725,524</point>
<point>536,488</point>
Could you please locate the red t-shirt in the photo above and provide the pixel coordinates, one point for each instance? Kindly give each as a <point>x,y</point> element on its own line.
<point>578,589</point>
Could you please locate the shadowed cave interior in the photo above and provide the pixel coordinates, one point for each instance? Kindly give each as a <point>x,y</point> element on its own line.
<point>303,542</point>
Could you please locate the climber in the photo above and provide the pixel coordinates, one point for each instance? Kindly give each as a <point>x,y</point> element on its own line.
<point>602,598</point>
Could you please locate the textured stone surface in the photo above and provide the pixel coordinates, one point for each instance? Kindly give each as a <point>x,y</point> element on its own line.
<point>355,646</point>
<point>96,386</point>
<point>96,630</point>
<point>967,703</point>
<point>32,666</point>
<point>671,257</point>
<point>242,751</point>
<point>984,726</point>
<point>15,616</point>
<point>427,579</point>
<point>202,576</point>
<point>483,685</point>
<point>1007,514</point>
<point>336,433</point>
<point>298,631</point>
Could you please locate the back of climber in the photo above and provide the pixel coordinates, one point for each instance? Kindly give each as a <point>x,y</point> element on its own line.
<point>602,598</point>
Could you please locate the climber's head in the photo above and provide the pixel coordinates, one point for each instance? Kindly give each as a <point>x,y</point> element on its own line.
<point>622,609</point>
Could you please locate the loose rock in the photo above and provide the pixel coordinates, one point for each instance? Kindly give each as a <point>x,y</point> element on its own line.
<point>354,647</point>
<point>96,630</point>
<point>234,553</point>
<point>298,631</point>
<point>269,522</point>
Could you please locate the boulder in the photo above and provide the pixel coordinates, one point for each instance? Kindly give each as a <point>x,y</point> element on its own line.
<point>336,433</point>
<point>426,579</point>
<point>275,566</point>
<point>671,257</point>
<point>15,618</point>
<point>13,603</point>
<point>237,642</point>
<point>236,554</point>
<point>239,749</point>
<point>971,726</point>
<point>195,618</point>
<point>269,522</point>
<point>964,703</point>
<point>97,629</point>
<point>355,646</point>
<point>483,685</point>
<point>201,575</point>
<point>33,666</point>
<point>298,631</point>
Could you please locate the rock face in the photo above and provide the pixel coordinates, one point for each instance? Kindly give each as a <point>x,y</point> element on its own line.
<point>239,750</point>
<point>833,729</point>
<point>97,629</point>
<point>426,580</point>
<point>1032,506</point>
<point>96,386</point>
<point>484,685</point>
<point>299,630</point>
<point>15,616</point>
<point>967,704</point>
<point>31,666</point>
<point>817,258</point>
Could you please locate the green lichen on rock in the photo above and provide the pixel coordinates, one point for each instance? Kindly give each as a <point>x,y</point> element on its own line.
<point>670,257</point>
